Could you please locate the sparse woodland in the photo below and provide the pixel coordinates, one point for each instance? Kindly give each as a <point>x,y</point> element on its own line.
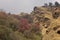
<point>38,25</point>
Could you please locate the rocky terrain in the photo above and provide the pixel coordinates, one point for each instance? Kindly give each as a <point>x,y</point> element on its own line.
<point>48,18</point>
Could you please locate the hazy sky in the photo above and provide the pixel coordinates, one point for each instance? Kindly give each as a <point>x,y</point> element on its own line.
<point>16,6</point>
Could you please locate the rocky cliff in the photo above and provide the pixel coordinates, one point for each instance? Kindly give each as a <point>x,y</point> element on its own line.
<point>49,20</point>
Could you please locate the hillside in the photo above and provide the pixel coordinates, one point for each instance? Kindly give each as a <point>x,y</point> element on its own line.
<point>43,23</point>
<point>49,22</point>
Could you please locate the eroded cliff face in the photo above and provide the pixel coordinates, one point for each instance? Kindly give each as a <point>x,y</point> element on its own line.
<point>49,20</point>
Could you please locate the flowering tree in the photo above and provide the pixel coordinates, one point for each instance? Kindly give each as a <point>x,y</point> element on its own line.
<point>23,25</point>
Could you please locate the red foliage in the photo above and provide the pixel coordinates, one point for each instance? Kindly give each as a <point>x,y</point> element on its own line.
<point>3,15</point>
<point>23,24</point>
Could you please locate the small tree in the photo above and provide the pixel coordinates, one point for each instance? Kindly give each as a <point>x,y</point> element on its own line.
<point>56,4</point>
<point>50,4</point>
<point>35,8</point>
<point>45,4</point>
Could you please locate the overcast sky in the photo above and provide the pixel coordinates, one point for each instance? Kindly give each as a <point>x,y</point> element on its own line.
<point>17,6</point>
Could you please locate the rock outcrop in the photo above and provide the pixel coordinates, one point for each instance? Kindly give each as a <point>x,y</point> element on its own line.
<point>49,20</point>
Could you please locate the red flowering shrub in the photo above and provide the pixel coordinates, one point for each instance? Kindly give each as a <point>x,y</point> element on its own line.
<point>23,25</point>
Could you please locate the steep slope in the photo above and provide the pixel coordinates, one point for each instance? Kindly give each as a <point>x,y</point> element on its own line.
<point>48,19</point>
